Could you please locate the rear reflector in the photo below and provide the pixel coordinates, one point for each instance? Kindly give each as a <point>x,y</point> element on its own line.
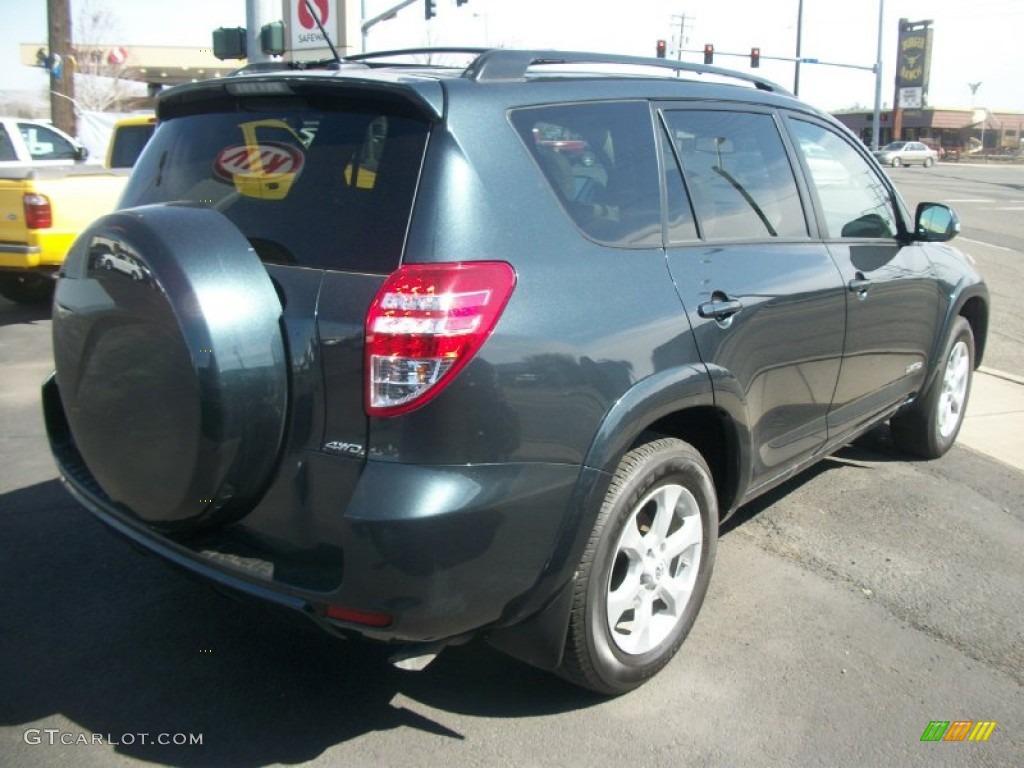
<point>426,322</point>
<point>353,616</point>
<point>38,214</point>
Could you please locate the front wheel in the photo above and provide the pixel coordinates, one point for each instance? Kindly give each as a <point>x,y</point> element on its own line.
<point>931,426</point>
<point>645,571</point>
<point>895,162</point>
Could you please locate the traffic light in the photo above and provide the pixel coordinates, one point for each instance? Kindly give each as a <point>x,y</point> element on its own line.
<point>661,49</point>
<point>709,53</point>
<point>272,38</point>
<point>755,57</point>
<point>429,9</point>
<point>229,43</point>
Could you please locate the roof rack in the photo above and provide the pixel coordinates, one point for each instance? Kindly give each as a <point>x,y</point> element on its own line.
<point>369,59</point>
<point>500,65</point>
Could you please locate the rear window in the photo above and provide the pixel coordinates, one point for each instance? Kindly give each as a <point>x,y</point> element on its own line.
<point>129,141</point>
<point>317,188</point>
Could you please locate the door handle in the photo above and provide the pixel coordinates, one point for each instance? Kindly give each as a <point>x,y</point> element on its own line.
<point>720,309</point>
<point>859,284</point>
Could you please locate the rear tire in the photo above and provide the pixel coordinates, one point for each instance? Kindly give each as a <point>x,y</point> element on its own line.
<point>896,162</point>
<point>645,571</point>
<point>26,289</point>
<point>930,427</point>
<point>928,162</point>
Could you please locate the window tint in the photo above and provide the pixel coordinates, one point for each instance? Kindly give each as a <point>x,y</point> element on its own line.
<point>602,164</point>
<point>307,186</point>
<point>45,144</point>
<point>737,173</point>
<point>853,198</point>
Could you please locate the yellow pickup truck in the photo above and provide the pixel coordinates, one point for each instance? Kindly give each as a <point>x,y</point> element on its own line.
<point>42,210</point>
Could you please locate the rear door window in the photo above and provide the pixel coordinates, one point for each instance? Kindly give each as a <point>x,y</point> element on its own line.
<point>321,188</point>
<point>737,173</point>
<point>601,162</point>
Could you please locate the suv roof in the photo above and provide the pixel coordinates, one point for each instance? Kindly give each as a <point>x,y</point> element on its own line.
<point>588,74</point>
<point>504,65</point>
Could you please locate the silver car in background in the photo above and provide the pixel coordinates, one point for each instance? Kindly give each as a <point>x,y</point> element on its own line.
<point>899,153</point>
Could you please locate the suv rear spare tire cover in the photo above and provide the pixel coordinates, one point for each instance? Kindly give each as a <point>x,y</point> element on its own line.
<point>171,363</point>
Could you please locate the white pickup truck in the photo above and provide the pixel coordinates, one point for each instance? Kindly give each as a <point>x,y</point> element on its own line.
<point>35,143</point>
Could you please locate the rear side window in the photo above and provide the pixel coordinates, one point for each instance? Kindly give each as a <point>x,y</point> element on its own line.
<point>601,162</point>
<point>310,187</point>
<point>737,173</point>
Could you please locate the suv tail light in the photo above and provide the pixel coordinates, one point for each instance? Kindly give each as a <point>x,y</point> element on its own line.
<point>426,322</point>
<point>38,214</point>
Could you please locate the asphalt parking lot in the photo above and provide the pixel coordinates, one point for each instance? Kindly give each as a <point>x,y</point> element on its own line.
<point>849,608</point>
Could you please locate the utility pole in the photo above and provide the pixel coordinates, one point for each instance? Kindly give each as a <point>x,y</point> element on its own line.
<point>681,42</point>
<point>799,33</point>
<point>257,14</point>
<point>876,127</point>
<point>62,77</point>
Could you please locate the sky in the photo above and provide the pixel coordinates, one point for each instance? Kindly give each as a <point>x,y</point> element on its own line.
<point>974,40</point>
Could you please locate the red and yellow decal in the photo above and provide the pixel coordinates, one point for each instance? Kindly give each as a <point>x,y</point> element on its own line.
<point>261,169</point>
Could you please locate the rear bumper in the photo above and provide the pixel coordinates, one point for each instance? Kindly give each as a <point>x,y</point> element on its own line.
<point>44,250</point>
<point>445,551</point>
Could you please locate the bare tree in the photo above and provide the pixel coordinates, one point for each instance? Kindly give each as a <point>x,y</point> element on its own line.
<point>101,64</point>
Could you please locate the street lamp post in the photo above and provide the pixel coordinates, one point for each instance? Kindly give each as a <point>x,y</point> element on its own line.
<point>984,115</point>
<point>799,32</point>
<point>876,127</point>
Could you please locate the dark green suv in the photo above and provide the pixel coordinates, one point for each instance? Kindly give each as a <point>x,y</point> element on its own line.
<point>396,358</point>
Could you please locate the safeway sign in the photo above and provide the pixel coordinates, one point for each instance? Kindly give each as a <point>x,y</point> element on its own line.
<point>305,34</point>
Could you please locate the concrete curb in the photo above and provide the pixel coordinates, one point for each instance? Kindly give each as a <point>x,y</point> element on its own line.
<point>1002,375</point>
<point>994,422</point>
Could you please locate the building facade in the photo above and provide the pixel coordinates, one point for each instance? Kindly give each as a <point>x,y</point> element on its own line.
<point>950,129</point>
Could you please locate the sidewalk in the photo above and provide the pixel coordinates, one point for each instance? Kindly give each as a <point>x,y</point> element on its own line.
<point>994,424</point>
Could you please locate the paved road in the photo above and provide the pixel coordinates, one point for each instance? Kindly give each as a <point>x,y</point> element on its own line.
<point>990,201</point>
<point>849,609</point>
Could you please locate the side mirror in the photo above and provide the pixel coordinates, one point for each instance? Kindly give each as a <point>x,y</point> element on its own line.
<point>81,153</point>
<point>935,223</point>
